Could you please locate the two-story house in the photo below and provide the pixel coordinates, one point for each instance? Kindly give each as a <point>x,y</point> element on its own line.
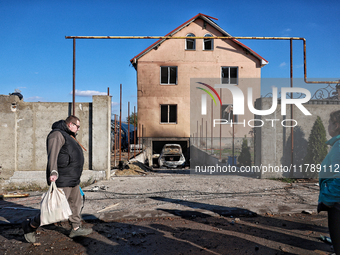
<point>168,70</point>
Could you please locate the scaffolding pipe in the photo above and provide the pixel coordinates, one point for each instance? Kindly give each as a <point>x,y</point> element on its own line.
<point>202,133</point>
<point>139,134</point>
<point>74,78</point>
<point>120,126</point>
<point>184,37</point>
<point>128,131</point>
<point>206,136</point>
<point>134,131</point>
<point>214,37</point>
<point>291,106</point>
<point>197,141</point>
<point>212,120</point>
<point>221,127</point>
<point>143,143</point>
<point>115,139</point>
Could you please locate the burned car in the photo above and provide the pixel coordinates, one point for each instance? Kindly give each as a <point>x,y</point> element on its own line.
<point>171,156</point>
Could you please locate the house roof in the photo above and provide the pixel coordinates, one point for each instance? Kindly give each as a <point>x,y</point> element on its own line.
<point>210,21</point>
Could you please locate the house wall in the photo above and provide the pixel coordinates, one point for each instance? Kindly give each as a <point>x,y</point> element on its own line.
<point>24,127</point>
<point>191,64</point>
<point>273,144</point>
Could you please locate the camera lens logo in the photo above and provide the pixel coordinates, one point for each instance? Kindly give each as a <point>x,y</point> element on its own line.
<point>204,97</point>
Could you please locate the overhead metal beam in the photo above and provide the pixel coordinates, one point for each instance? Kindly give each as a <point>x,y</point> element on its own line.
<point>216,37</point>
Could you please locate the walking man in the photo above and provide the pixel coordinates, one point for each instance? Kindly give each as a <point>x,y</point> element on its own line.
<point>65,160</point>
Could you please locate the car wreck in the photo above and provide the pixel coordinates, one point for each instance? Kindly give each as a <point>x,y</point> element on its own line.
<point>171,156</point>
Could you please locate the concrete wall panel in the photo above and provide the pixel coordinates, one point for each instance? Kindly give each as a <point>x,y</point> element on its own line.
<point>273,144</point>
<point>24,127</point>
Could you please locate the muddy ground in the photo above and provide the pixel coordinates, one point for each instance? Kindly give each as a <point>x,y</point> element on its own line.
<point>195,216</point>
<point>191,234</point>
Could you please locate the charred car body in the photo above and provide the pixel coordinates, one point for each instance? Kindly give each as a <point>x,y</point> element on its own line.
<point>171,156</point>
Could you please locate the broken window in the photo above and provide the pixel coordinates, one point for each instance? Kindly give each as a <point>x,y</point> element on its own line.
<point>168,74</point>
<point>190,44</point>
<point>229,75</point>
<point>168,113</point>
<point>208,44</point>
<point>227,113</point>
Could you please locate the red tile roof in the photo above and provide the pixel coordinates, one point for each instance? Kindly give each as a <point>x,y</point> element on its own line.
<point>209,20</point>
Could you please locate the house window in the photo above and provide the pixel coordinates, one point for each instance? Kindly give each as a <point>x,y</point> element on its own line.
<point>208,44</point>
<point>229,75</point>
<point>168,113</point>
<point>168,74</point>
<point>227,113</point>
<point>190,44</point>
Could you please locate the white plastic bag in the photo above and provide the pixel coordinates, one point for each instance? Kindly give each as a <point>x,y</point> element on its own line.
<point>54,206</point>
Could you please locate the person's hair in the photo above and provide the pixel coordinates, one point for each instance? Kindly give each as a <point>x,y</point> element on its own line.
<point>335,118</point>
<point>71,119</point>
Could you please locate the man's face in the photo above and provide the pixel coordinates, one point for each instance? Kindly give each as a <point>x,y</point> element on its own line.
<point>74,126</point>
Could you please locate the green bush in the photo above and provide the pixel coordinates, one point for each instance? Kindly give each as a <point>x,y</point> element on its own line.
<point>245,158</point>
<point>316,148</point>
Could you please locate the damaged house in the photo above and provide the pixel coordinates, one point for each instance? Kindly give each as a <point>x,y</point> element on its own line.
<point>164,73</point>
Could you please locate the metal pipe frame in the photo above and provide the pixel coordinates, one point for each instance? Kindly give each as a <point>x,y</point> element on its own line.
<point>215,37</point>
<point>197,37</point>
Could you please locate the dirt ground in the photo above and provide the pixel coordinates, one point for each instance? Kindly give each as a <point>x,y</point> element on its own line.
<point>191,234</point>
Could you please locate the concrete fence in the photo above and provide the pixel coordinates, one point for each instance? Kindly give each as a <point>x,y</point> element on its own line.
<point>24,127</point>
<point>273,143</point>
<point>273,139</point>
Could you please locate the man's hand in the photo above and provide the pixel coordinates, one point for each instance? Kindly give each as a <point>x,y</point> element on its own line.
<point>53,178</point>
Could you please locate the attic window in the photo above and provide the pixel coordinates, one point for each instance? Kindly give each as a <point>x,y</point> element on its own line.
<point>208,44</point>
<point>190,44</point>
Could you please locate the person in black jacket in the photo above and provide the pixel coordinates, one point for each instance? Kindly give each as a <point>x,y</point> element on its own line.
<point>65,160</point>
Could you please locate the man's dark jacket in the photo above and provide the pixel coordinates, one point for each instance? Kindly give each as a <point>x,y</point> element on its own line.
<point>70,159</point>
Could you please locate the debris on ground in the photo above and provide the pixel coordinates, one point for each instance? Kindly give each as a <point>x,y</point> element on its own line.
<point>307,212</point>
<point>108,207</point>
<point>97,188</point>
<point>133,168</point>
<point>13,195</point>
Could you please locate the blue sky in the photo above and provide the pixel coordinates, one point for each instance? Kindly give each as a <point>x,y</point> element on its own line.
<point>37,59</point>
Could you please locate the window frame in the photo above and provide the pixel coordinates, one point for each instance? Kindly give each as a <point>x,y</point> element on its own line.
<point>168,114</point>
<point>169,75</point>
<point>193,41</point>
<point>211,40</point>
<point>229,78</point>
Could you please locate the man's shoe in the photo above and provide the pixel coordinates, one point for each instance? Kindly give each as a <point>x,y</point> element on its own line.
<point>80,232</point>
<point>29,232</point>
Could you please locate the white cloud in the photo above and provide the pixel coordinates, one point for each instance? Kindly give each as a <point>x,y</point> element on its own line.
<point>286,31</point>
<point>35,99</point>
<point>283,64</point>
<point>89,93</point>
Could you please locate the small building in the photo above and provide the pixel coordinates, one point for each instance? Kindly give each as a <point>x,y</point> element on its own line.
<point>167,70</point>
